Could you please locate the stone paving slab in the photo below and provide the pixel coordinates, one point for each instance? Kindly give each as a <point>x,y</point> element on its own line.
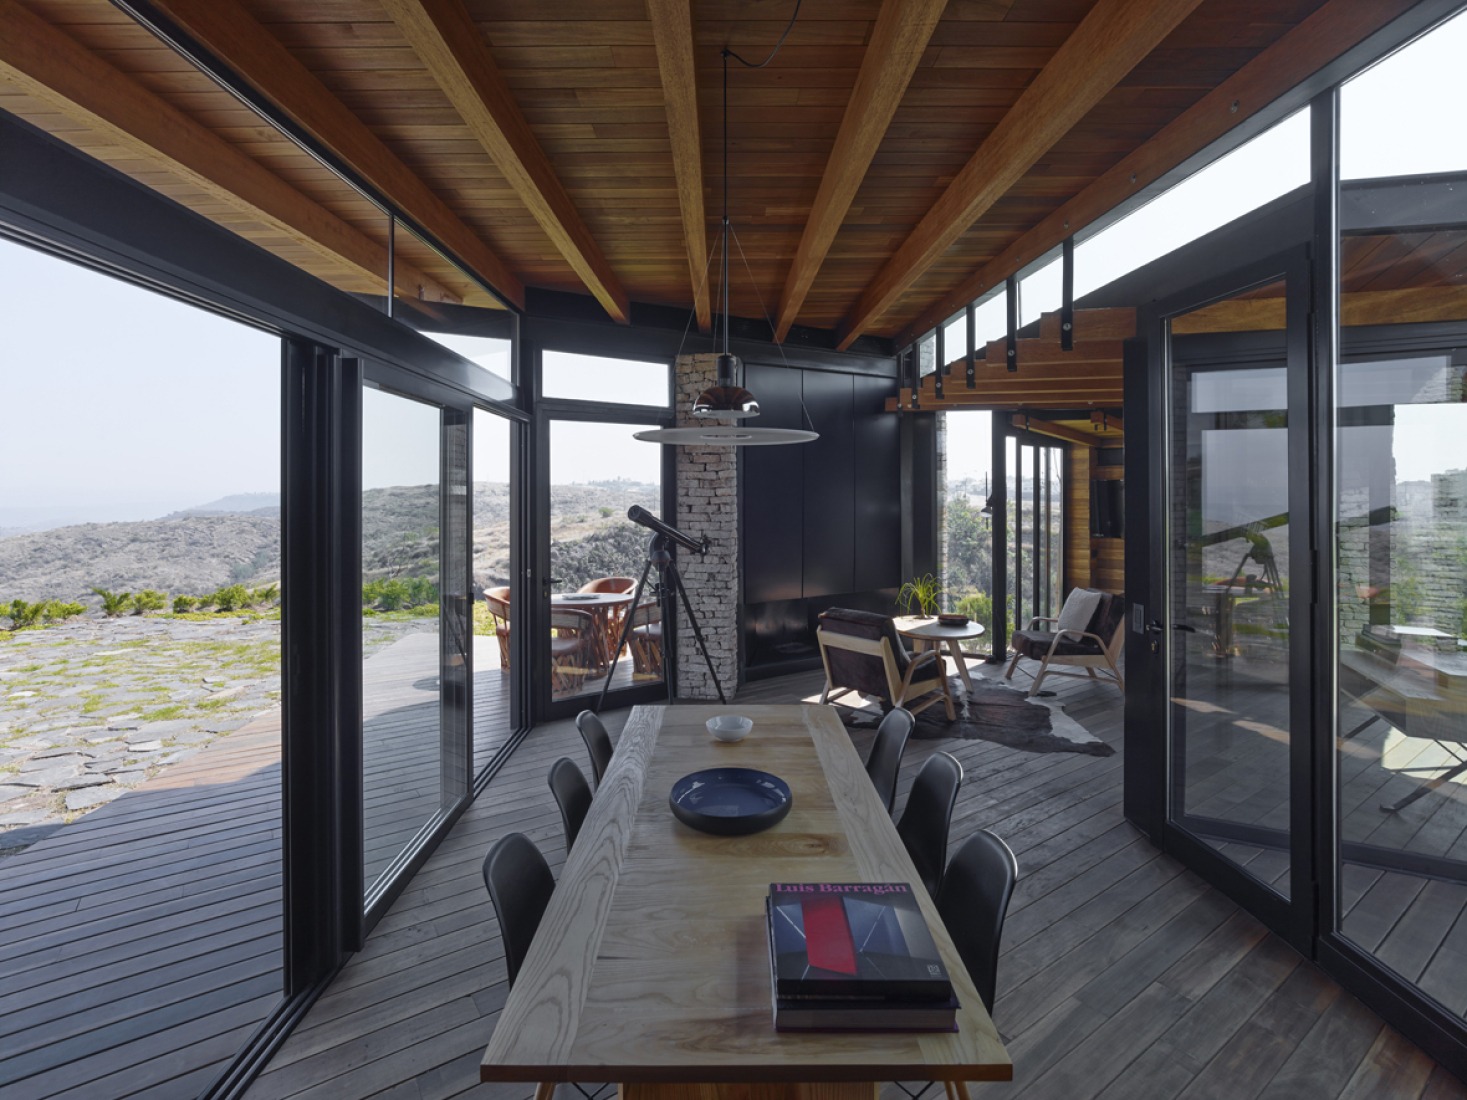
<point>92,707</point>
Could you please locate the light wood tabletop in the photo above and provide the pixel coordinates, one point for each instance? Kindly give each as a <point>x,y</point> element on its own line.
<point>651,964</point>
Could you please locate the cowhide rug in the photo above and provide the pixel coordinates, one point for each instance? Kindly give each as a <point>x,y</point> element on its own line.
<point>999,713</point>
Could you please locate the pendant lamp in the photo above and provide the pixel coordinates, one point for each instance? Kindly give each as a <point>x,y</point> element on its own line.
<point>727,399</point>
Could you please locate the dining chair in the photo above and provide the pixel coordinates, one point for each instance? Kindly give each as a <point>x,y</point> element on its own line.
<point>885,761</point>
<point>498,601</point>
<point>598,742</point>
<point>924,823</point>
<point>972,902</point>
<point>612,616</point>
<point>520,884</point>
<point>575,649</point>
<point>573,796</point>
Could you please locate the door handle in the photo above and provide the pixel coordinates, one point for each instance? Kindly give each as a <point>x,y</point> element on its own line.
<point>1156,627</point>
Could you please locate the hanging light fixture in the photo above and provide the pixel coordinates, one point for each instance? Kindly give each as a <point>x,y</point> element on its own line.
<point>727,399</point>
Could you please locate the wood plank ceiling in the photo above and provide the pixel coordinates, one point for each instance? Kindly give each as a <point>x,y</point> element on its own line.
<point>894,157</point>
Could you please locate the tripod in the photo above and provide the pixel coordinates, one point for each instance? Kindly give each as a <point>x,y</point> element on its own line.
<point>1261,551</point>
<point>669,581</point>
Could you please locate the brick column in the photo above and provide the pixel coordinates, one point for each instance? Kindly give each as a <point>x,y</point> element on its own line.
<point>707,504</point>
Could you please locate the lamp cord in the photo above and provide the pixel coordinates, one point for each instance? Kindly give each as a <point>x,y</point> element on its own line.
<point>751,65</point>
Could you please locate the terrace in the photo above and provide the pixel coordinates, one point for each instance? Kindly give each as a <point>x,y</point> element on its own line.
<point>1155,298</point>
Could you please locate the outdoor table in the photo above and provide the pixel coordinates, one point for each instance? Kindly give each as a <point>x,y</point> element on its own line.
<point>651,964</point>
<point>930,632</point>
<point>599,605</point>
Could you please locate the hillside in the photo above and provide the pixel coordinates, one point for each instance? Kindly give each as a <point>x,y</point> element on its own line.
<point>198,550</point>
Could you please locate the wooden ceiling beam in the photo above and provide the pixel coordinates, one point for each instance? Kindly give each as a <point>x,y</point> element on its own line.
<point>234,36</point>
<point>1055,431</point>
<point>54,68</point>
<point>1107,422</point>
<point>672,37</point>
<point>446,39</point>
<point>898,41</point>
<point>1108,43</point>
<point>1330,31</point>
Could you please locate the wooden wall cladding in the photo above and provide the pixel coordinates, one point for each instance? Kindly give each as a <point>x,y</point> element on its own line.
<point>1090,562</point>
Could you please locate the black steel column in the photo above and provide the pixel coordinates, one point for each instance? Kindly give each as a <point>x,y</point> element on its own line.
<point>321,660</point>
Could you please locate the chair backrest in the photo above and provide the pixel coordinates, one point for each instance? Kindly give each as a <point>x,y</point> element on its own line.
<point>925,818</point>
<point>571,620</point>
<point>1109,621</point>
<point>498,601</point>
<point>572,794</point>
<point>609,584</point>
<point>885,761</point>
<point>972,902</point>
<point>598,742</point>
<point>851,646</point>
<point>520,884</point>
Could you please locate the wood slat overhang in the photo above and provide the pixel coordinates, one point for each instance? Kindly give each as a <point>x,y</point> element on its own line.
<point>1088,376</point>
<point>891,162</point>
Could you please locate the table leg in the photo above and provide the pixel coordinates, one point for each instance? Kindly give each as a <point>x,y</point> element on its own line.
<point>750,1090</point>
<point>957,651</point>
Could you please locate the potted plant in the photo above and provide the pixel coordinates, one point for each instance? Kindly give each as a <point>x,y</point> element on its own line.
<point>923,593</point>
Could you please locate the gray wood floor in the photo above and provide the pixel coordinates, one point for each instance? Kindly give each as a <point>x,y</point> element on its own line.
<point>141,945</point>
<point>1122,975</point>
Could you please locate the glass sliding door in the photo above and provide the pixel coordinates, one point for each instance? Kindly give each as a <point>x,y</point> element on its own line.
<point>1400,526</point>
<point>493,540</point>
<point>967,517</point>
<point>597,556</point>
<point>1231,572</point>
<point>414,623</point>
<point>1036,528</point>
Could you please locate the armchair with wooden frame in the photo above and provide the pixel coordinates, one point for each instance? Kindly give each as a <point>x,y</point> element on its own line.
<point>1092,643</point>
<point>863,652</point>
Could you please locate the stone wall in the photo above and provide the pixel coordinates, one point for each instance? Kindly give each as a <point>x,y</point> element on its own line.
<point>707,504</point>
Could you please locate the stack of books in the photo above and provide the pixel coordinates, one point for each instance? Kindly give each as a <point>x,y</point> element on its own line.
<point>855,957</point>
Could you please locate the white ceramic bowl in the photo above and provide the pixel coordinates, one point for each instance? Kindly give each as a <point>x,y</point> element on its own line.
<point>730,727</point>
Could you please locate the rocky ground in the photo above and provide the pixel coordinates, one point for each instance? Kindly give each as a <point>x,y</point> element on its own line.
<point>93,707</point>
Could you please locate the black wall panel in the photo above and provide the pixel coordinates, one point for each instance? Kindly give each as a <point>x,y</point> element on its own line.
<point>878,500</point>
<point>773,491</point>
<point>830,486</point>
<point>821,521</point>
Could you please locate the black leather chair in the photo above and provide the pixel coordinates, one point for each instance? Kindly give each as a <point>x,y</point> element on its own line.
<point>863,652</point>
<point>972,902</point>
<point>572,794</point>
<point>925,819</point>
<point>885,761</point>
<point>598,742</point>
<point>520,884</point>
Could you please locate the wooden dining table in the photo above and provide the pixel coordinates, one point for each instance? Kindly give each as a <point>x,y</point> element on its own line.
<point>650,967</point>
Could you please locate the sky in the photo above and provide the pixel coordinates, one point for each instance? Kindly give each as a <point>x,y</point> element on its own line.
<point>119,403</point>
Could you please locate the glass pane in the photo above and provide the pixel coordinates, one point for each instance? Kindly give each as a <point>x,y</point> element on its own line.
<point>597,472</point>
<point>1228,579</point>
<point>1041,292</point>
<point>967,521</point>
<point>493,535</point>
<point>1272,164</point>
<point>1401,522</point>
<point>608,381</point>
<point>402,506</point>
<point>140,809</point>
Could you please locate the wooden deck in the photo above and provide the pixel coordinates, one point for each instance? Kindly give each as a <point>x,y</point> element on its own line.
<point>141,945</point>
<point>1122,976</point>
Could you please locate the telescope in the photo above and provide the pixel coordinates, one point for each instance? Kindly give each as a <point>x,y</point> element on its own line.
<point>639,515</point>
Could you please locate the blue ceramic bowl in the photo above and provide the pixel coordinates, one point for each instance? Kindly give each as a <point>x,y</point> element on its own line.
<point>730,801</point>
